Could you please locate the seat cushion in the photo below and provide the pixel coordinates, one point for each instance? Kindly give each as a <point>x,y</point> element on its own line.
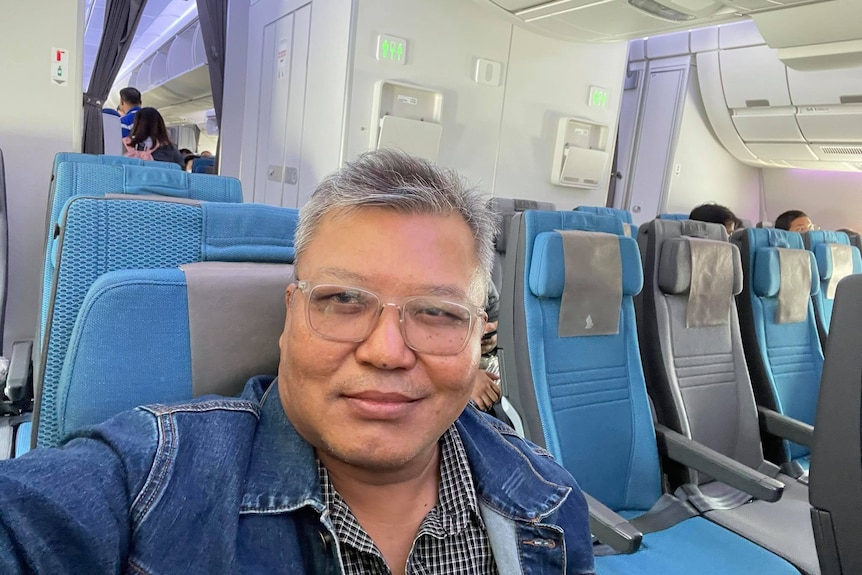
<point>694,546</point>
<point>783,527</point>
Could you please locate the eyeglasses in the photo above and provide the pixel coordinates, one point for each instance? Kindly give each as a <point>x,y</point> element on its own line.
<point>349,314</point>
<point>808,228</point>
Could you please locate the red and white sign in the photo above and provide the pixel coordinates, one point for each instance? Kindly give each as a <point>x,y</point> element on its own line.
<point>59,66</point>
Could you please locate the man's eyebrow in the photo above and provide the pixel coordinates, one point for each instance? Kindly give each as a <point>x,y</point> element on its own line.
<point>436,290</point>
<point>342,274</point>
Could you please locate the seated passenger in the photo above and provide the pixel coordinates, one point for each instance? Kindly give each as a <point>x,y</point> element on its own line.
<point>795,221</point>
<point>716,214</point>
<point>486,388</point>
<point>149,139</point>
<point>363,456</point>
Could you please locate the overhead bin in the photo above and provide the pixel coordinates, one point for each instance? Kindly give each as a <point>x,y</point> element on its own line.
<point>753,77</point>
<point>767,124</point>
<point>824,87</point>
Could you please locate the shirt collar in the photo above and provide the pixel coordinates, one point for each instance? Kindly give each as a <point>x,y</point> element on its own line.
<point>283,476</point>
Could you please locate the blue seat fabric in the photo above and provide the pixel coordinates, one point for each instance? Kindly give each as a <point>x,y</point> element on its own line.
<point>817,242</point>
<point>200,165</point>
<point>99,179</point>
<point>104,234</point>
<point>785,359</point>
<point>678,217</point>
<point>624,215</point>
<point>596,417</point>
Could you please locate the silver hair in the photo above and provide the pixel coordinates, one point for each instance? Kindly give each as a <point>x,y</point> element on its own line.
<point>402,183</point>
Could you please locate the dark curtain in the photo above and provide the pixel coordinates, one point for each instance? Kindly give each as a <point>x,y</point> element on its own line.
<point>4,249</point>
<point>213,19</point>
<point>121,21</point>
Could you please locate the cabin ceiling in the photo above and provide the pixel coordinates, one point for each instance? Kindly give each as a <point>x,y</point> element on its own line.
<point>158,16</point>
<point>613,20</point>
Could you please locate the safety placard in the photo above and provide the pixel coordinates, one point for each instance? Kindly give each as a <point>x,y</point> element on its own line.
<point>59,66</point>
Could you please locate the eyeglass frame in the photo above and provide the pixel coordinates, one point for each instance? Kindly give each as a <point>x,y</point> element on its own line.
<point>474,312</point>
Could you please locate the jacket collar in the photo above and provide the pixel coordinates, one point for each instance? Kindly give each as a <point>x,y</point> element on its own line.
<point>282,474</point>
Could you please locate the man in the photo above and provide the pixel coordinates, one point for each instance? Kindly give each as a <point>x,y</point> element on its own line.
<point>359,458</point>
<point>486,387</point>
<point>130,103</point>
<point>794,221</point>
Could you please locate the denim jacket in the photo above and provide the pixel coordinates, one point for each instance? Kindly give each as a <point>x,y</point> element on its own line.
<point>226,485</point>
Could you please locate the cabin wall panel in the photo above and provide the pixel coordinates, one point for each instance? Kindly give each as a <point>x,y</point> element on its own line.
<point>444,37</point>
<point>37,120</point>
<point>830,198</point>
<point>703,171</point>
<point>550,79</point>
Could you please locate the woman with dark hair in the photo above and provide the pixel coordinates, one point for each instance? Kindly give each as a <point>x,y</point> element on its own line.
<point>716,214</point>
<point>149,139</point>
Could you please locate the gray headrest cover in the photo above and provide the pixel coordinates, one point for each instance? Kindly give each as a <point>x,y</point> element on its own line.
<point>842,266</point>
<point>709,271</point>
<point>236,315</point>
<point>593,290</point>
<point>794,292</point>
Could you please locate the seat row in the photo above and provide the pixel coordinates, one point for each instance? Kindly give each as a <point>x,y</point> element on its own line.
<point>579,381</point>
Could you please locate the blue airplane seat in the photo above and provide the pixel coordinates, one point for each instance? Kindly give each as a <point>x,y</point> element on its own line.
<point>99,235</point>
<point>590,394</point>
<point>505,208</point>
<point>779,331</point>
<point>99,179</point>
<point>172,334</point>
<point>203,165</point>
<point>836,259</point>
<point>677,217</point>
<point>624,215</point>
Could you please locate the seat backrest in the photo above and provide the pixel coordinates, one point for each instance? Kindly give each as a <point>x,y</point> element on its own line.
<point>99,235</point>
<point>677,217</point>
<point>590,407</point>
<point>112,134</point>
<point>779,331</point>
<point>200,165</point>
<point>835,482</point>
<point>99,179</point>
<point>690,341</point>
<point>624,215</point>
<point>506,208</point>
<point>836,258</point>
<point>4,248</point>
<point>205,327</point>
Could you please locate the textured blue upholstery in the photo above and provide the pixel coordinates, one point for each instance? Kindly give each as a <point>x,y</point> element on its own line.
<point>695,546</point>
<point>819,241</point>
<point>22,438</point>
<point>595,413</point>
<point>107,160</point>
<point>104,234</point>
<point>98,179</point>
<point>767,273</point>
<point>548,272</point>
<point>153,315</point>
<point>624,215</point>
<point>785,359</point>
<point>595,420</point>
<point>678,217</point>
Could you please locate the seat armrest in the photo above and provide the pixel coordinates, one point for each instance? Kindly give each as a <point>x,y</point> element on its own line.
<point>780,425</point>
<point>19,371</point>
<point>612,529</point>
<point>696,456</point>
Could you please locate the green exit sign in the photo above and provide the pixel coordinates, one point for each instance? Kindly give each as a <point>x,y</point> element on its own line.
<point>598,97</point>
<point>391,49</point>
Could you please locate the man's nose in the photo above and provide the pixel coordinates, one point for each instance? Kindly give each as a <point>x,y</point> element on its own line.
<point>385,347</point>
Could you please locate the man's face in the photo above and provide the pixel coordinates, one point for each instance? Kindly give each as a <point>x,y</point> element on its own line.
<point>378,405</point>
<point>489,337</point>
<point>801,224</point>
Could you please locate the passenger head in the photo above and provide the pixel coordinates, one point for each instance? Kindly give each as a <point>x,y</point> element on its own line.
<point>716,214</point>
<point>382,334</point>
<point>492,308</point>
<point>794,221</point>
<point>129,98</point>
<point>188,161</point>
<point>149,124</point>
<point>206,154</point>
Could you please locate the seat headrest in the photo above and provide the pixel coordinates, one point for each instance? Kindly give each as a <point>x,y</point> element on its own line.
<point>767,273</point>
<point>675,266</point>
<point>624,215</point>
<point>547,268</point>
<point>508,207</point>
<point>835,262</point>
